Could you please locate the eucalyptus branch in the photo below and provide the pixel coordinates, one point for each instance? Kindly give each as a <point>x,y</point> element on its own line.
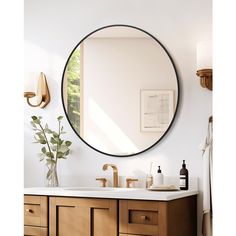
<point>49,149</point>
<point>54,147</point>
<point>59,133</point>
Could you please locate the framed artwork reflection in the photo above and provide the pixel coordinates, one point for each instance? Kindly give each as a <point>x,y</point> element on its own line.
<point>156,110</point>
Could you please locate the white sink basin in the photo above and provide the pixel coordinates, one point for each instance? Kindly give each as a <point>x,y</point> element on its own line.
<point>99,189</point>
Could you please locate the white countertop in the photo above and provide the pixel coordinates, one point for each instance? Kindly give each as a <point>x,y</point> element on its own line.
<point>113,193</point>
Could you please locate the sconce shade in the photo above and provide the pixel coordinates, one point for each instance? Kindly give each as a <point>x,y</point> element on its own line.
<point>42,95</point>
<point>204,55</point>
<point>204,64</point>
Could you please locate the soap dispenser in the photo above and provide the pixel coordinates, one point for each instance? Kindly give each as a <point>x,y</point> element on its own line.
<point>159,177</point>
<point>183,177</point>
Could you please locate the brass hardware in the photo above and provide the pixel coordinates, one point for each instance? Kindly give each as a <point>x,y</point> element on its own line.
<point>115,173</point>
<point>29,210</point>
<point>103,181</point>
<point>43,95</point>
<point>129,181</point>
<point>144,218</point>
<point>205,78</point>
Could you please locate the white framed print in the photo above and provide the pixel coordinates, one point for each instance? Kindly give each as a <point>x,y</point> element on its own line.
<point>156,110</point>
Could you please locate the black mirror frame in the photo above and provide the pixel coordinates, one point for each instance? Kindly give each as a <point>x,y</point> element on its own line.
<point>178,87</point>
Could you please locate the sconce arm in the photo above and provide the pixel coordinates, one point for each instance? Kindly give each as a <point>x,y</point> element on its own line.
<point>32,105</point>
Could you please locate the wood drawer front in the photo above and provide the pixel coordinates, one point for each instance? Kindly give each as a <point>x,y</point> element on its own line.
<point>35,231</point>
<point>143,217</point>
<point>36,211</point>
<point>139,217</point>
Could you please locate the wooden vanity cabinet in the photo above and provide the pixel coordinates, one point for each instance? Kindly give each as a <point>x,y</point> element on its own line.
<point>35,215</point>
<point>74,216</point>
<point>83,216</point>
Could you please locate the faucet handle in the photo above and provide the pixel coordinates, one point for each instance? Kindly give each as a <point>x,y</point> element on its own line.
<point>129,181</point>
<point>103,181</point>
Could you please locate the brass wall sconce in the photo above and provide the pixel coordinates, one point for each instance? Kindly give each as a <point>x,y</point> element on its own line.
<point>42,95</point>
<point>204,64</point>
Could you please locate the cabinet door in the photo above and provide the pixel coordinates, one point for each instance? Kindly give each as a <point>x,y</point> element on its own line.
<point>35,231</point>
<point>83,217</point>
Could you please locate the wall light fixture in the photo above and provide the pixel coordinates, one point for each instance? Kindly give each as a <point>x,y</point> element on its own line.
<point>204,64</point>
<point>42,95</point>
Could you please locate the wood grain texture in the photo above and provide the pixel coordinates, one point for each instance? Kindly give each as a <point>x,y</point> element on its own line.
<point>35,231</point>
<point>182,217</point>
<point>99,217</point>
<point>158,218</point>
<point>36,211</point>
<point>83,216</point>
<point>138,217</point>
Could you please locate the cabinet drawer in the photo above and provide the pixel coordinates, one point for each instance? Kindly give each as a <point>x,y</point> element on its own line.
<point>36,211</point>
<point>139,217</point>
<point>35,231</point>
<point>143,217</point>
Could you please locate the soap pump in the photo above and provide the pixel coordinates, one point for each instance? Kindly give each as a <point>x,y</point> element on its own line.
<point>159,178</point>
<point>184,177</point>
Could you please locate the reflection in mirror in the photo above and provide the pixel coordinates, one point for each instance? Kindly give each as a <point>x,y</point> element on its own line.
<point>120,90</point>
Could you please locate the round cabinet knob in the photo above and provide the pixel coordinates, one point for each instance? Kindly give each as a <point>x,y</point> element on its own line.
<point>144,217</point>
<point>29,210</point>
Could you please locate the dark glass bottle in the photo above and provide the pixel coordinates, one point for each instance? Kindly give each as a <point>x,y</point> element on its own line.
<point>183,184</point>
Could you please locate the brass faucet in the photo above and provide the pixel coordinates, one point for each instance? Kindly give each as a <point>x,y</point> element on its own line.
<point>115,173</point>
<point>129,181</point>
<point>103,181</point>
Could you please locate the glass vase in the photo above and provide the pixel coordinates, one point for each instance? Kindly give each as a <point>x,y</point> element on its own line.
<point>52,178</point>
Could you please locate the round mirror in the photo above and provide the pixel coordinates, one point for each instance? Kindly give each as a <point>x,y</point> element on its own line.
<point>120,90</point>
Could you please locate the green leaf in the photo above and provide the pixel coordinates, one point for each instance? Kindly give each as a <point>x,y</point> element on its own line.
<point>36,120</point>
<point>60,155</point>
<point>55,134</point>
<point>50,154</point>
<point>68,143</point>
<point>44,150</point>
<point>40,134</point>
<point>67,152</point>
<point>48,131</point>
<point>53,140</point>
<point>60,142</point>
<point>59,118</point>
<point>42,141</point>
<point>50,162</point>
<point>62,148</point>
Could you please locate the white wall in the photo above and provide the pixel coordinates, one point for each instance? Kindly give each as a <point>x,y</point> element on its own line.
<point>114,72</point>
<point>53,28</point>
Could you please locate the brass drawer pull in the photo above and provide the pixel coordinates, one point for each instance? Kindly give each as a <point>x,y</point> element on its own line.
<point>29,210</point>
<point>144,218</point>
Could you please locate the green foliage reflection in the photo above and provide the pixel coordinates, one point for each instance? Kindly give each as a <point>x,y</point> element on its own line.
<point>73,72</point>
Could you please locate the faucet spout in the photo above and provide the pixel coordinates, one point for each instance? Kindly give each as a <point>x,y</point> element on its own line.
<point>115,173</point>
